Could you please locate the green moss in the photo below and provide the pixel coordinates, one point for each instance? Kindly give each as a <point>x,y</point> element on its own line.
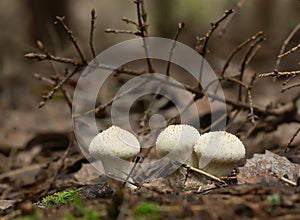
<point>149,209</point>
<point>60,198</point>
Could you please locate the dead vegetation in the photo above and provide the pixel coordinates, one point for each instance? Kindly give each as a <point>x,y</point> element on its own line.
<point>62,166</point>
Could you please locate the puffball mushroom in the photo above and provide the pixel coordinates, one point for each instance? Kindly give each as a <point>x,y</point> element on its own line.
<point>177,141</point>
<point>115,147</point>
<point>218,152</point>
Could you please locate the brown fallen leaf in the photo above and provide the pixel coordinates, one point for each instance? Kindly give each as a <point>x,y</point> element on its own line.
<point>268,168</point>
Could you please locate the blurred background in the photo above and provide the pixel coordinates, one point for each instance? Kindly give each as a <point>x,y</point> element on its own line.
<point>24,22</point>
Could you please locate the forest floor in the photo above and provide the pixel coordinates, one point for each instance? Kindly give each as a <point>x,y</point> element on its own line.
<point>44,174</point>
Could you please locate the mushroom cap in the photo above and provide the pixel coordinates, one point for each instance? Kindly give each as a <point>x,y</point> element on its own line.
<point>178,139</point>
<point>218,151</point>
<point>115,142</point>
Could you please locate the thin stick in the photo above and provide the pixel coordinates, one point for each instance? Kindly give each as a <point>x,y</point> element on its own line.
<point>120,70</point>
<point>57,87</point>
<point>251,114</point>
<point>292,183</point>
<point>66,94</point>
<point>238,48</point>
<point>292,139</point>
<point>207,36</point>
<point>60,20</point>
<point>41,57</point>
<point>290,87</point>
<point>44,79</point>
<point>143,12</point>
<point>280,73</point>
<point>208,128</point>
<point>288,80</point>
<point>143,31</point>
<point>202,42</point>
<point>286,180</point>
<point>285,43</point>
<point>294,49</point>
<point>136,161</point>
<point>231,119</point>
<point>235,10</point>
<point>110,102</point>
<point>93,18</point>
<point>203,173</point>
<point>116,31</point>
<point>129,21</point>
<point>147,112</point>
<point>246,61</point>
<point>180,27</point>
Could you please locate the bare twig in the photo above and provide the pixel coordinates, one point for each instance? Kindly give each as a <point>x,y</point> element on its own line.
<point>290,87</point>
<point>227,22</point>
<point>285,43</point>
<point>53,82</point>
<point>44,79</point>
<point>116,31</point>
<point>65,92</point>
<point>121,70</point>
<point>231,119</point>
<point>57,87</point>
<point>147,112</point>
<point>60,20</point>
<point>214,123</point>
<point>180,26</point>
<point>288,80</point>
<point>142,17</point>
<point>129,21</point>
<point>294,49</point>
<point>259,110</point>
<point>93,18</point>
<point>204,173</point>
<point>246,60</point>
<point>136,161</point>
<point>202,42</point>
<point>110,102</point>
<point>291,140</point>
<point>141,23</point>
<point>281,74</point>
<point>238,48</point>
<point>251,114</point>
<point>51,57</point>
<point>284,179</point>
<point>143,12</point>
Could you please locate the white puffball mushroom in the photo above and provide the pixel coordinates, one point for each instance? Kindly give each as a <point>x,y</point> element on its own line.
<point>218,152</point>
<point>178,142</point>
<point>115,147</point>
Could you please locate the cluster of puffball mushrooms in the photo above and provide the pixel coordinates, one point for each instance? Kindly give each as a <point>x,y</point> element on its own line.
<point>215,152</point>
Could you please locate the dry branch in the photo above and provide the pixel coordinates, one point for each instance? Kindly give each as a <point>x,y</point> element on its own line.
<point>202,42</point>
<point>42,57</point>
<point>58,86</point>
<point>238,48</point>
<point>285,43</point>
<point>93,18</point>
<point>60,20</point>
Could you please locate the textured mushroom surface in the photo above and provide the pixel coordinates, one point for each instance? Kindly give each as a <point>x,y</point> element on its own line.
<point>218,152</point>
<point>114,141</point>
<point>178,140</point>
